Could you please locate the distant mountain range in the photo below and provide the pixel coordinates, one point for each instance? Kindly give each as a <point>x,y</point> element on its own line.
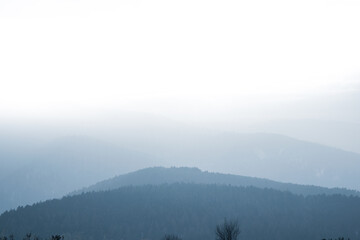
<point>63,166</point>
<point>190,211</point>
<point>66,164</point>
<point>270,156</point>
<point>161,175</point>
<point>263,155</point>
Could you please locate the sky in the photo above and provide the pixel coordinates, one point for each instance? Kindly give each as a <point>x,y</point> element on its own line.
<point>187,59</point>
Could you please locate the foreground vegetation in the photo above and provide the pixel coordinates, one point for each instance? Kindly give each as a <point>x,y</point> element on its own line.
<point>228,230</point>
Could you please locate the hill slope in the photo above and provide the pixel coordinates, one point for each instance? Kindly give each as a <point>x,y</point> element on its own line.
<point>160,175</point>
<point>189,210</point>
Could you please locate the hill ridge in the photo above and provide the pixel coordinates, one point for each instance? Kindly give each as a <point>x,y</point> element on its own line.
<point>160,175</point>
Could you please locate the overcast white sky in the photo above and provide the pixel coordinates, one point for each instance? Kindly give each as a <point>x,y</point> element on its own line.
<point>62,56</point>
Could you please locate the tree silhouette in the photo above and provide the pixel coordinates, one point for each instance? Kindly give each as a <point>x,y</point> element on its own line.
<point>27,236</point>
<point>229,230</point>
<point>171,237</point>
<point>57,237</point>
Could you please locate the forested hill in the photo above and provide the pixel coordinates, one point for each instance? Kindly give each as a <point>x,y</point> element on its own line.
<point>160,175</point>
<point>190,211</point>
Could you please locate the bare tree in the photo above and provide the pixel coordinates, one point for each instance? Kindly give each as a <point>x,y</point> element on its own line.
<point>171,237</point>
<point>57,237</point>
<point>229,230</point>
<point>27,236</point>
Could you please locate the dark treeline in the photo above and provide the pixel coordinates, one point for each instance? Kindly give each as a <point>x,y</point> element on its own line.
<point>30,236</point>
<point>189,211</point>
<point>339,238</point>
